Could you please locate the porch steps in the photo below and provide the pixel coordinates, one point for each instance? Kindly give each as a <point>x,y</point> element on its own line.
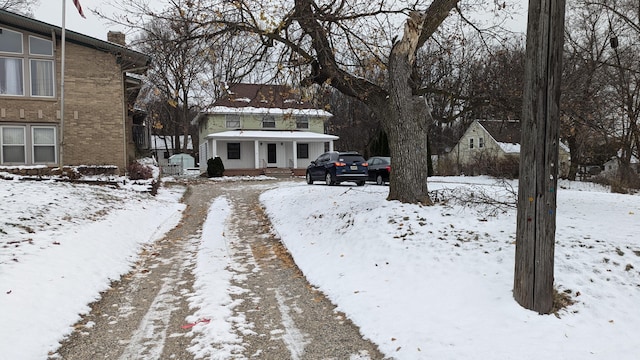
<point>278,172</point>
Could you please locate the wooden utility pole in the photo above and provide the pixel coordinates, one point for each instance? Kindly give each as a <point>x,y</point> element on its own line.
<point>536,223</point>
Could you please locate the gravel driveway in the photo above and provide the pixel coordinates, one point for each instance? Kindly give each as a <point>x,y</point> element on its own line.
<point>143,315</point>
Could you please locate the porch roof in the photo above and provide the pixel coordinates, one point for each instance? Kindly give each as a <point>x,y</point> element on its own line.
<point>271,135</point>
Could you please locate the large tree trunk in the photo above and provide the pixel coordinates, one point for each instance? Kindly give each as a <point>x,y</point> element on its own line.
<point>407,121</point>
<point>576,157</point>
<point>406,125</point>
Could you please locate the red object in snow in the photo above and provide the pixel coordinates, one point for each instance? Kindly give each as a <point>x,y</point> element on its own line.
<point>189,326</point>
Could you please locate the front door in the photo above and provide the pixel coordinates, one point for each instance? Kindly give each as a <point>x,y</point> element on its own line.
<point>272,156</point>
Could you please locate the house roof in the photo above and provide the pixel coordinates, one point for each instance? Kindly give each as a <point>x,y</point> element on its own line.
<point>263,99</point>
<point>271,135</point>
<point>507,134</point>
<point>130,60</point>
<point>262,96</point>
<point>503,131</point>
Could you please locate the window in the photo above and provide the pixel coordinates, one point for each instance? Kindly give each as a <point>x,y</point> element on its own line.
<point>470,143</point>
<point>268,121</point>
<point>302,122</point>
<point>11,82</point>
<point>13,145</point>
<point>28,144</point>
<point>232,121</point>
<point>233,150</point>
<point>44,144</point>
<point>10,41</point>
<point>39,46</point>
<point>26,72</point>
<point>480,143</point>
<point>42,78</point>
<point>303,151</point>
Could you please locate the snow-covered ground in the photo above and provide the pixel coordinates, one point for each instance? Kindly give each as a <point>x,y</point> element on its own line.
<point>421,282</point>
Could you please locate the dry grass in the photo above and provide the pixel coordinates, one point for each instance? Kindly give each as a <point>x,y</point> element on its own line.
<point>562,300</point>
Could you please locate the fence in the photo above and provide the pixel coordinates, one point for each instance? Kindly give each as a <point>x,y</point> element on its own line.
<point>171,169</point>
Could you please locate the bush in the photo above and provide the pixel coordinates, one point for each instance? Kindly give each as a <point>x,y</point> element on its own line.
<point>137,171</point>
<point>488,164</point>
<point>215,167</point>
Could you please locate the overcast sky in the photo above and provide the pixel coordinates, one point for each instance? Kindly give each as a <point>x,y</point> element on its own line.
<point>50,11</point>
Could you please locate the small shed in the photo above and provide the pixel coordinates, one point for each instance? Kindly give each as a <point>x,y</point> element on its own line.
<point>185,160</point>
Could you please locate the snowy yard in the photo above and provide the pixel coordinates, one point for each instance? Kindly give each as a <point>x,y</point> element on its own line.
<point>421,282</point>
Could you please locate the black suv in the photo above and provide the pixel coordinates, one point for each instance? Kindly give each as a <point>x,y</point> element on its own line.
<point>334,167</point>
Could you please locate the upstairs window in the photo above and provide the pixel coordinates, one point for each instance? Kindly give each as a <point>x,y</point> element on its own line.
<point>38,46</point>
<point>268,122</point>
<point>11,81</point>
<point>10,41</point>
<point>302,122</point>
<point>232,121</point>
<point>42,78</point>
<point>471,143</point>
<point>23,72</point>
<point>480,143</point>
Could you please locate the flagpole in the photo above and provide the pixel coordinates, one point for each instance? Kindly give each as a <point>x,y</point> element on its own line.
<point>64,8</point>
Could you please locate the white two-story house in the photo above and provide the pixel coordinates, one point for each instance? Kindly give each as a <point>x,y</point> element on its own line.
<point>257,129</point>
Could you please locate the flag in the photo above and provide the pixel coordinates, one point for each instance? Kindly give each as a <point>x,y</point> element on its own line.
<point>77,4</point>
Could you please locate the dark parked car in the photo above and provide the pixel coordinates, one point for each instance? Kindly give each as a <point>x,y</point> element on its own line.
<point>379,169</point>
<point>334,167</point>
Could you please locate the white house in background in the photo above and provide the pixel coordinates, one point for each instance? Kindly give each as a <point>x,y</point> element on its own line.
<point>611,166</point>
<point>262,129</point>
<point>495,140</point>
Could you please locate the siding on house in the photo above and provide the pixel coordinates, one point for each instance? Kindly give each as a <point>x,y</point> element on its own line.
<point>98,126</point>
<point>484,145</point>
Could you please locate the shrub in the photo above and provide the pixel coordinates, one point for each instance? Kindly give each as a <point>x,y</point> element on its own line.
<point>215,167</point>
<point>137,171</point>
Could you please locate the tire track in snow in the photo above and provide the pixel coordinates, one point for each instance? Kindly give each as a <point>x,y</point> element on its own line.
<point>147,342</point>
<point>293,337</point>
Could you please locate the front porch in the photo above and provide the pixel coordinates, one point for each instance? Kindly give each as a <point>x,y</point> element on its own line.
<point>272,172</point>
<point>265,152</point>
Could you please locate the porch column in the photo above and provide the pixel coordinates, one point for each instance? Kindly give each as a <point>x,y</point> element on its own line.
<point>295,154</point>
<point>214,148</point>
<point>331,145</point>
<point>256,153</point>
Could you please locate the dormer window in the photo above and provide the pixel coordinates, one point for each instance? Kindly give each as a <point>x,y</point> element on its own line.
<point>269,122</point>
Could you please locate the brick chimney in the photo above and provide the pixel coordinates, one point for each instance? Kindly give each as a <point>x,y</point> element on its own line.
<point>116,37</point>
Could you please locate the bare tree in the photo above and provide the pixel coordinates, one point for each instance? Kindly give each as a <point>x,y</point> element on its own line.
<point>585,121</point>
<point>623,70</point>
<point>336,42</point>
<point>179,62</point>
<point>24,7</point>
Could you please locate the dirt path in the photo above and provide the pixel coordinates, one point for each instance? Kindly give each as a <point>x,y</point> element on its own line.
<point>142,315</point>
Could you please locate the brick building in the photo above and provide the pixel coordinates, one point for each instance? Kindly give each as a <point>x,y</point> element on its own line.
<point>101,84</point>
